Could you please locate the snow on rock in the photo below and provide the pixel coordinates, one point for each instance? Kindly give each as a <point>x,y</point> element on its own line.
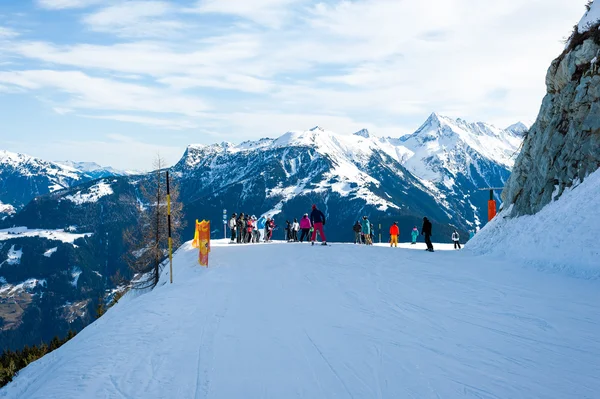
<point>6,208</point>
<point>91,194</point>
<point>14,256</point>
<point>57,235</point>
<point>49,252</point>
<point>344,321</point>
<point>75,273</point>
<point>563,236</point>
<point>10,290</point>
<point>590,18</point>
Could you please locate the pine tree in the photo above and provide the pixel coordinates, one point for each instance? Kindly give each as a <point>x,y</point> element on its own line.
<point>148,242</point>
<point>100,309</point>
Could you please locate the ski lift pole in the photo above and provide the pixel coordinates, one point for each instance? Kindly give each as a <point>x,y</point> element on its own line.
<point>492,209</point>
<point>169,224</point>
<point>380,233</point>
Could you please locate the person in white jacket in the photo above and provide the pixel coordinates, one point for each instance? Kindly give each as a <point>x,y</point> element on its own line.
<point>295,229</point>
<point>456,239</point>
<point>232,226</point>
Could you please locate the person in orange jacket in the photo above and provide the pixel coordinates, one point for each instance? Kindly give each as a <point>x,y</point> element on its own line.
<point>394,233</point>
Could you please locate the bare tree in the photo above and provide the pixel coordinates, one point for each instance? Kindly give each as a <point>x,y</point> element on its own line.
<point>148,241</point>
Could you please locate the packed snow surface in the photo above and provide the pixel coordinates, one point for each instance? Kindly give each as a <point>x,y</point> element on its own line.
<point>562,237</point>
<point>91,194</point>
<point>293,321</point>
<point>58,235</point>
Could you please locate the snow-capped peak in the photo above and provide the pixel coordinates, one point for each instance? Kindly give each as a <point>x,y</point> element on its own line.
<point>317,128</point>
<point>590,18</point>
<point>363,133</point>
<point>518,129</point>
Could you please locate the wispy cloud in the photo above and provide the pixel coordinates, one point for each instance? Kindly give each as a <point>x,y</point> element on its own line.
<point>64,4</point>
<point>271,13</point>
<point>88,92</point>
<point>136,19</point>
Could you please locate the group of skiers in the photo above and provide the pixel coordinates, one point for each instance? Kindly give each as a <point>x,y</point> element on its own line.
<point>363,231</point>
<point>249,229</point>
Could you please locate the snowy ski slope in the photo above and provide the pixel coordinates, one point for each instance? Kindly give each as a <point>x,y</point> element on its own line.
<point>294,321</point>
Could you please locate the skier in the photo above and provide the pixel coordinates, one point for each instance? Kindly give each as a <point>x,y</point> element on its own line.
<point>456,239</point>
<point>249,228</point>
<point>414,234</point>
<point>394,233</point>
<point>240,228</point>
<point>270,228</point>
<point>305,226</point>
<point>232,224</point>
<point>366,231</point>
<point>255,232</point>
<point>357,230</point>
<point>267,228</point>
<point>426,231</point>
<point>260,225</point>
<point>288,231</point>
<point>295,228</point>
<point>317,218</point>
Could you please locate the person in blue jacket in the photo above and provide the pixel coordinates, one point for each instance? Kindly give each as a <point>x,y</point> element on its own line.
<point>366,230</point>
<point>261,227</point>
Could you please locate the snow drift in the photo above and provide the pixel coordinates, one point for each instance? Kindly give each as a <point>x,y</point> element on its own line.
<point>563,236</point>
<point>295,321</point>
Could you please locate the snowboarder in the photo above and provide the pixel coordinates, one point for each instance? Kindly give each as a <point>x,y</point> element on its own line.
<point>456,239</point>
<point>357,232</point>
<point>232,224</point>
<point>426,231</point>
<point>295,228</point>
<point>317,218</point>
<point>394,233</point>
<point>366,231</point>
<point>414,234</point>
<point>305,226</point>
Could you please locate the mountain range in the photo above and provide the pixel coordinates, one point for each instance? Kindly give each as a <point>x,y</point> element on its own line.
<point>55,270</point>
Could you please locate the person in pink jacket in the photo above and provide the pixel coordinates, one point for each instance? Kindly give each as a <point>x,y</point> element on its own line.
<point>305,227</point>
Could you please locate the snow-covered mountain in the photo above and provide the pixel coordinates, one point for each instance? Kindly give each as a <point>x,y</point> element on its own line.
<point>436,171</point>
<point>93,170</point>
<point>23,177</point>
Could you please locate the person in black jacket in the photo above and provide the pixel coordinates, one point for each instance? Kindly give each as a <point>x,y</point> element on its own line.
<point>426,231</point>
<point>357,233</point>
<point>240,228</point>
<point>318,221</point>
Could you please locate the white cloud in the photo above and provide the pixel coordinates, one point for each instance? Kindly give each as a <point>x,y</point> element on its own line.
<point>88,92</point>
<point>271,13</point>
<point>64,4</point>
<point>7,33</point>
<point>136,19</point>
<point>144,120</point>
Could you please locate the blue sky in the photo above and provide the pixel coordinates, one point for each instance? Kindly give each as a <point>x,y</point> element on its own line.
<point>115,81</point>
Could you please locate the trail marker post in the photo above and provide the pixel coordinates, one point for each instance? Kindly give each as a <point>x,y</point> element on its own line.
<point>492,209</point>
<point>169,224</point>
<point>380,233</point>
<point>224,223</point>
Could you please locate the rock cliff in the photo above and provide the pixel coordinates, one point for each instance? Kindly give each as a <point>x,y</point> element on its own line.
<point>563,146</point>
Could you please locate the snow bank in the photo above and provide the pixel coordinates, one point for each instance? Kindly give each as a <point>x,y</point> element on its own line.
<point>92,194</point>
<point>563,236</point>
<point>294,321</point>
<point>589,18</point>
